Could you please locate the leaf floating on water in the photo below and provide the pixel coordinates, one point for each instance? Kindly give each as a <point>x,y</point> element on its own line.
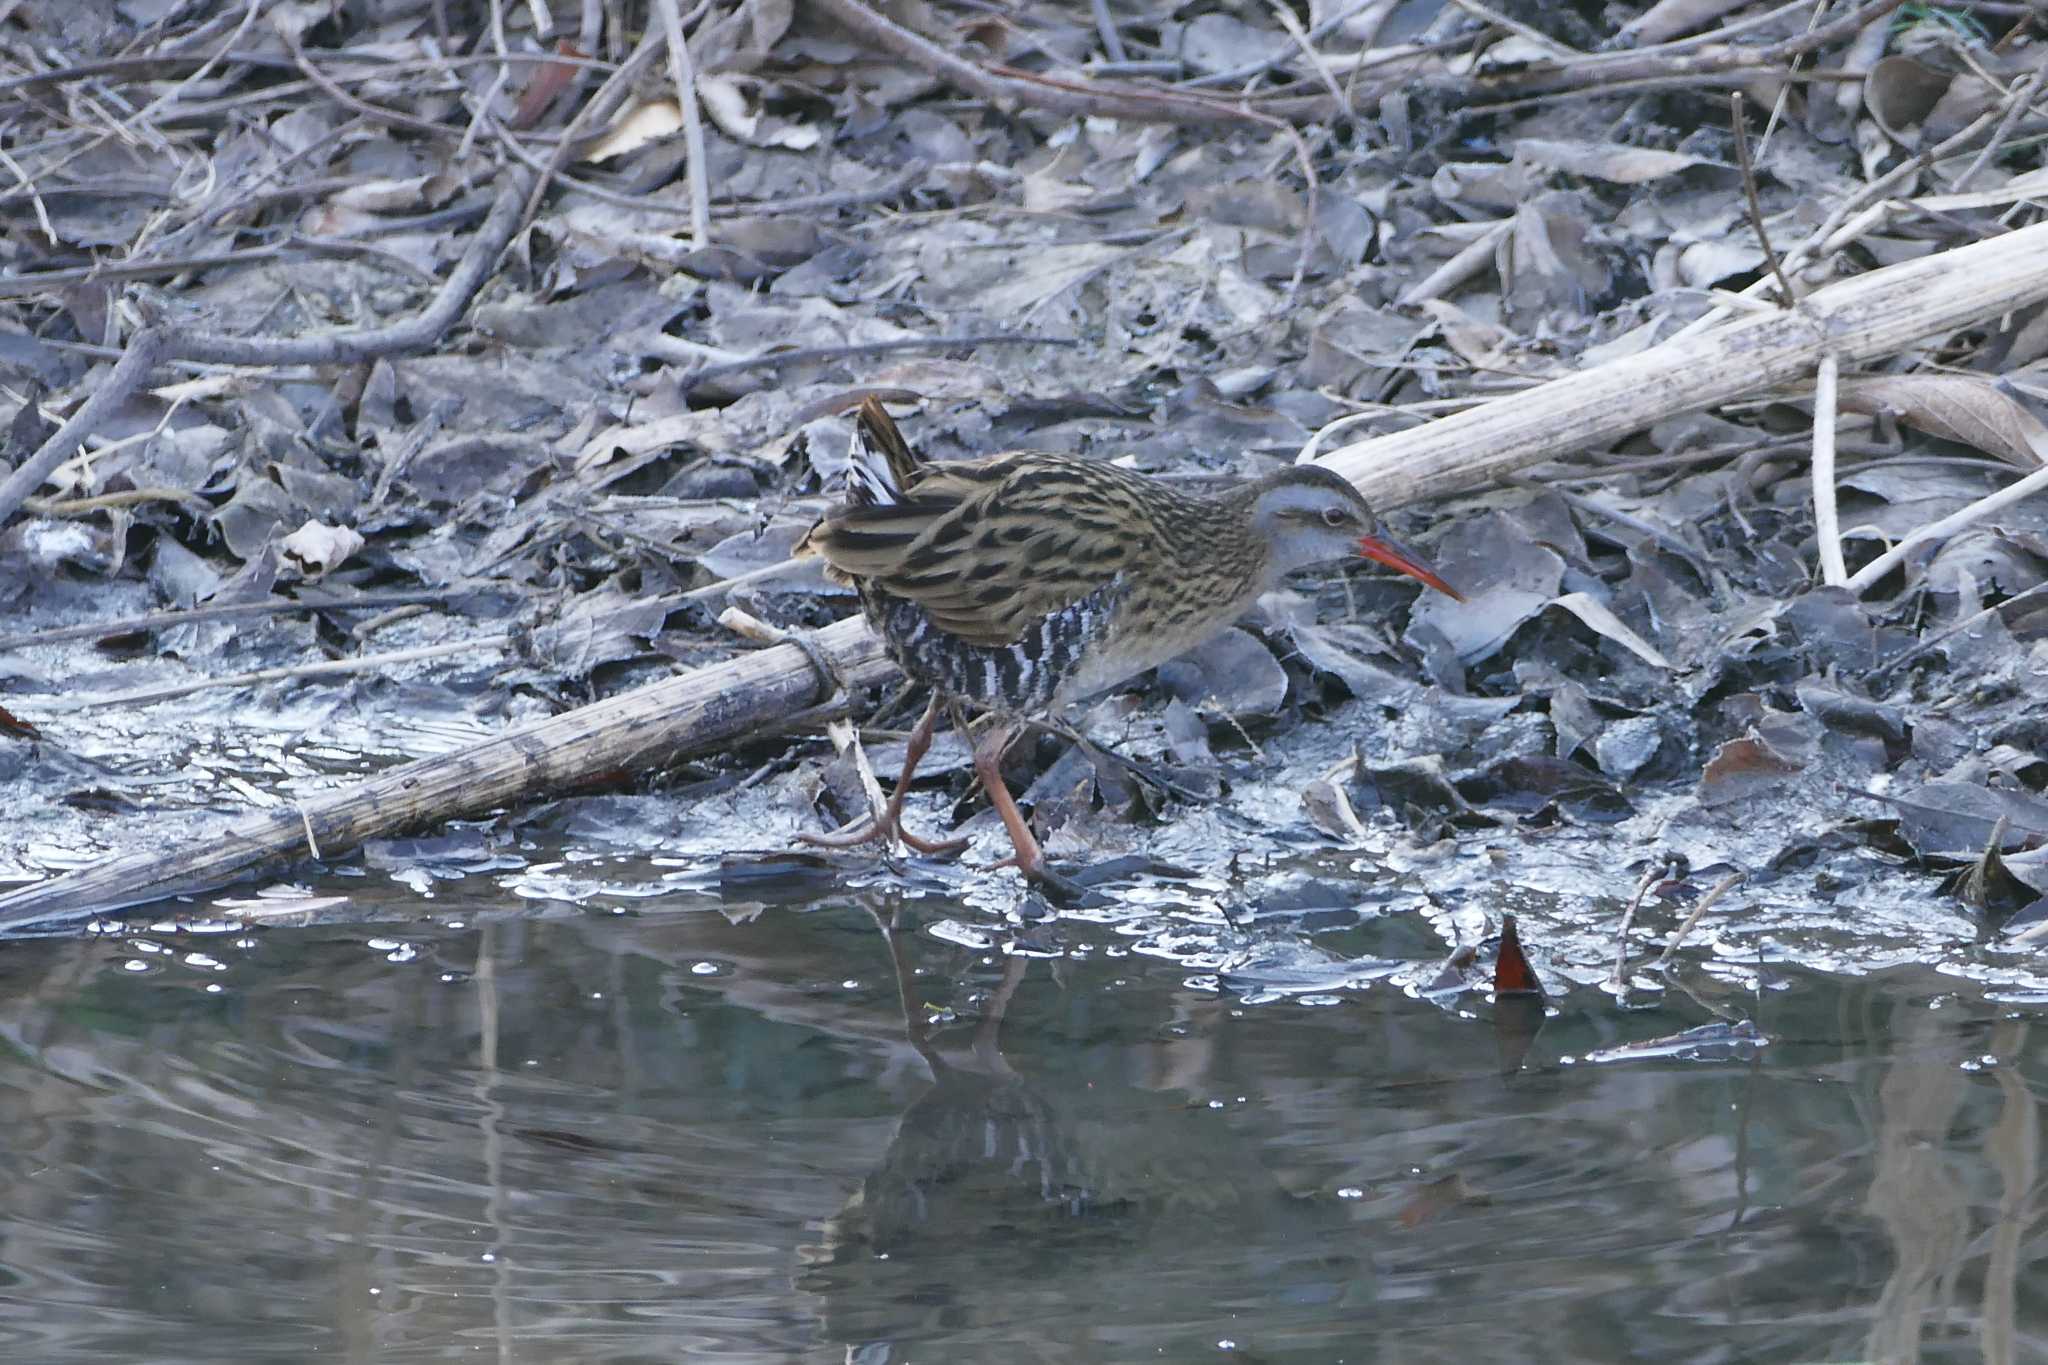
<point>1708,1042</point>
<point>1512,974</point>
<point>1438,1196</point>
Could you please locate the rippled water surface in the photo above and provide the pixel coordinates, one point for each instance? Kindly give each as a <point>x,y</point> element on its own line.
<point>728,1130</point>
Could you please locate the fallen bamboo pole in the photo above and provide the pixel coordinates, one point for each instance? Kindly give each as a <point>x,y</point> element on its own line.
<point>1860,319</point>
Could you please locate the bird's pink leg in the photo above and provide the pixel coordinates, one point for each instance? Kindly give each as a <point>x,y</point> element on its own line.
<point>889,824</point>
<point>988,766</point>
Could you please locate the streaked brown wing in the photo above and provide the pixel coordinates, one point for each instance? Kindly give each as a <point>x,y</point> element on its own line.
<point>988,547</point>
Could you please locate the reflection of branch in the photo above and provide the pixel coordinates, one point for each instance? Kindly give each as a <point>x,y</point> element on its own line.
<point>490,1119</point>
<point>2014,1146</point>
<point>1913,1192</point>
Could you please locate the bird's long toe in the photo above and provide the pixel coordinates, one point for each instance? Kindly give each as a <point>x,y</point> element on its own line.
<point>869,830</point>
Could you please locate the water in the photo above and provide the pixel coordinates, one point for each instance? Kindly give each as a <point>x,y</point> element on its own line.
<point>744,1132</point>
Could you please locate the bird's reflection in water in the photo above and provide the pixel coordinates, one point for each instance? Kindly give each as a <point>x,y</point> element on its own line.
<point>1030,1189</point>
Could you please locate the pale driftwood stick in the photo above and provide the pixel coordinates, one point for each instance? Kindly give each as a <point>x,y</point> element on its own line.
<point>626,734</point>
<point>1934,532</point>
<point>1858,320</point>
<point>1827,522</point>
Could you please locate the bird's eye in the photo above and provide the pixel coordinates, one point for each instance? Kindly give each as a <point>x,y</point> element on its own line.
<point>1334,516</point>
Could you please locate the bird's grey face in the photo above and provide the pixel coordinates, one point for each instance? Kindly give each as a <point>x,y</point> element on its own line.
<point>1309,515</point>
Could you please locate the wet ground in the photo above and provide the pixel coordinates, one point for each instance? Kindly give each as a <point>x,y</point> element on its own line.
<point>733,1118</point>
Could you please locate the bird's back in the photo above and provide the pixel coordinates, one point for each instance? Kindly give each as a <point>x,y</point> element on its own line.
<point>1006,580</point>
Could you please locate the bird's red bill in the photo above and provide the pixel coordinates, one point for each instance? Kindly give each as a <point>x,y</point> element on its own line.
<point>1398,557</point>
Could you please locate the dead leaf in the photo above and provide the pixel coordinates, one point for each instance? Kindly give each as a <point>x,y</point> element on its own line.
<point>1329,810</point>
<point>1610,161</point>
<point>1439,1196</point>
<point>738,115</point>
<point>1968,409</point>
<point>317,548</point>
<point>644,123</point>
<point>1600,620</point>
<point>1741,767</point>
<point>546,86</point>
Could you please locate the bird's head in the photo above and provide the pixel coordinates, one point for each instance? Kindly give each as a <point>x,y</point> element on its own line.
<point>1309,515</point>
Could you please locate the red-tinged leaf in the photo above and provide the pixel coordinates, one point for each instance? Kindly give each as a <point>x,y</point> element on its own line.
<point>11,724</point>
<point>550,79</point>
<point>1446,1192</point>
<point>1512,974</point>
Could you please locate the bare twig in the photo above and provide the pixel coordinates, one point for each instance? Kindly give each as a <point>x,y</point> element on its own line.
<point>1007,88</point>
<point>1705,903</point>
<point>596,109</point>
<point>1534,36</point>
<point>1787,295</point>
<point>910,178</point>
<point>2017,103</point>
<point>684,73</point>
<point>1827,527</point>
<point>1105,28</point>
<point>1656,872</point>
<point>1934,642</point>
<point>162,620</point>
<point>1323,30</point>
<point>99,502</point>
<point>808,355</point>
<point>1468,262</point>
<point>1307,46</point>
<point>1866,578</point>
<point>144,351</point>
<point>377,112</point>
<point>1832,234</point>
<point>364,663</point>
<point>155,344</point>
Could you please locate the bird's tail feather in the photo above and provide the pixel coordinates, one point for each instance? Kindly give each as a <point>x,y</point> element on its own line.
<point>881,463</point>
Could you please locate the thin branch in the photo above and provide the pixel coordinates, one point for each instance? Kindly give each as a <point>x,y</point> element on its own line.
<point>378,112</point>
<point>1787,295</point>
<point>364,663</point>
<point>1705,903</point>
<point>144,351</point>
<point>596,109</point>
<point>1651,876</point>
<point>180,616</point>
<point>1827,527</point>
<point>1007,88</point>
<point>807,355</point>
<point>684,73</point>
<point>1867,577</point>
<point>1105,28</point>
<point>1934,642</point>
<point>160,343</point>
<point>2016,104</point>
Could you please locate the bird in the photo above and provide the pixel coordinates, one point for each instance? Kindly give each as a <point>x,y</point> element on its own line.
<point>1023,582</point>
